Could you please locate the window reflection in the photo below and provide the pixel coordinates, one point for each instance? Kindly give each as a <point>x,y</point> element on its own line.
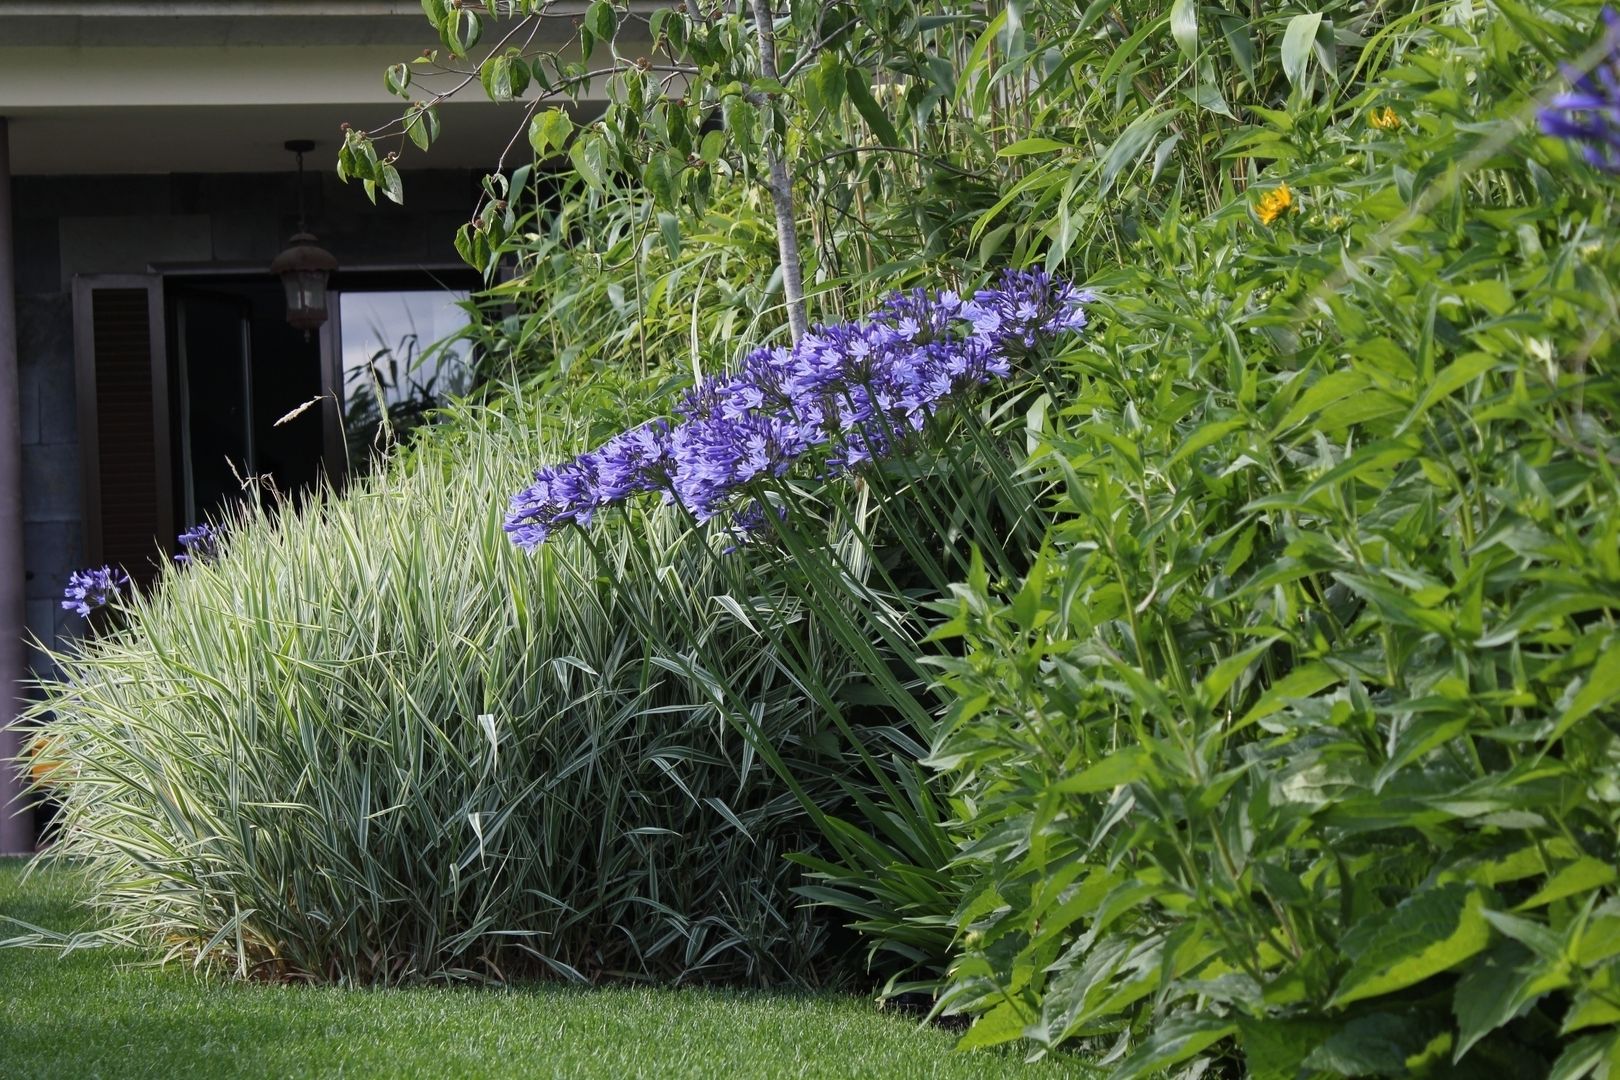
<point>395,369</point>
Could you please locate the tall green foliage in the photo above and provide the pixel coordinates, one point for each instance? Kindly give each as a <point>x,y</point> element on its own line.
<point>1299,740</point>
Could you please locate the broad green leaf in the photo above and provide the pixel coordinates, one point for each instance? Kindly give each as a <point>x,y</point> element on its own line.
<point>1601,689</point>
<point>1376,1044</point>
<point>662,178</point>
<point>1453,377</point>
<point>1170,1042</point>
<point>582,154</point>
<point>1184,26</point>
<point>1302,682</point>
<point>1529,932</point>
<point>1207,435</point>
<point>1590,1010</point>
<point>397,79</point>
<point>1427,933</point>
<point>1584,875</point>
<point>1120,767</point>
<point>1001,1024</point>
<point>601,21</point>
<point>1025,147</point>
<point>1584,1055</point>
<point>1322,394</point>
<point>1296,45</point>
<point>1214,686</point>
<point>1274,1048</point>
<point>422,125</point>
<point>549,131</point>
<point>1132,143</point>
<point>860,95</point>
<point>1496,988</point>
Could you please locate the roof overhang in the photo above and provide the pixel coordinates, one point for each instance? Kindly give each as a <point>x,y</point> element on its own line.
<point>114,87</point>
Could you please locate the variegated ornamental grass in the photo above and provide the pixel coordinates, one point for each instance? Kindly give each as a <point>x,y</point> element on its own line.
<point>373,742</point>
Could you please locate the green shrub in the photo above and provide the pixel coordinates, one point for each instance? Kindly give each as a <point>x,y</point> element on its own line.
<point>1299,741</point>
<point>374,742</point>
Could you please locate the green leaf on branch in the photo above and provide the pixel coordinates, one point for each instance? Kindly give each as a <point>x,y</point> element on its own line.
<point>422,125</point>
<point>1132,143</point>
<point>461,30</point>
<point>824,85</point>
<point>549,131</point>
<point>397,79</point>
<point>600,20</point>
<point>586,157</point>
<point>662,178</point>
<point>742,121</point>
<point>392,186</point>
<point>713,145</point>
<point>1378,1044</point>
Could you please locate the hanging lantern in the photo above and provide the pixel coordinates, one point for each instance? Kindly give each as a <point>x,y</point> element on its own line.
<point>303,269</point>
<point>304,266</point>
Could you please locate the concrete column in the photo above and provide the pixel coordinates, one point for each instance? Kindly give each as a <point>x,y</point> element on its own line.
<point>16,829</point>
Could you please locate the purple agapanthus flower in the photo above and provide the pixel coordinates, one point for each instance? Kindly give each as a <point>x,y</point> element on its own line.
<point>1589,114</point>
<point>88,590</point>
<point>842,397</point>
<point>200,544</point>
<point>750,523</point>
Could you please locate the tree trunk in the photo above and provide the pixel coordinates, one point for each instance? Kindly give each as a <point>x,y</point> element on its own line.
<point>780,184</point>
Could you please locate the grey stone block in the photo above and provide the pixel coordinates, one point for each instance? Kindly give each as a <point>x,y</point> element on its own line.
<point>60,196</point>
<point>45,367</point>
<point>248,238</point>
<point>50,481</point>
<point>128,245</point>
<point>51,551</point>
<point>58,403</point>
<point>45,327</point>
<point>28,403</point>
<point>43,625</point>
<point>36,246</point>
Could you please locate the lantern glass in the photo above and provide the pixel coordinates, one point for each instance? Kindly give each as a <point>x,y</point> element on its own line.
<point>306,297</point>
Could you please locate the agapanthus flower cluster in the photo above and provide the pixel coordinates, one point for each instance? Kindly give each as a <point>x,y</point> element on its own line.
<point>88,590</point>
<point>200,543</point>
<point>843,396</point>
<point>1590,113</point>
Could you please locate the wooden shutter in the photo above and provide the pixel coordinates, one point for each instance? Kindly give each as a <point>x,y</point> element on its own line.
<point>122,379</point>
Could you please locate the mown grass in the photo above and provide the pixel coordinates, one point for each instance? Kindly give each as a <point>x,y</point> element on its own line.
<point>97,1014</point>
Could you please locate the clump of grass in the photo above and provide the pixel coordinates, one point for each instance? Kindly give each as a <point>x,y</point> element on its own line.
<point>375,743</point>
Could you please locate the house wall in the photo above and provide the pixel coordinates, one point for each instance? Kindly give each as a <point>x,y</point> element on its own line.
<point>70,225</point>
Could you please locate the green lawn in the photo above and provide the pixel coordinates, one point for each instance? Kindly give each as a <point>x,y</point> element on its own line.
<point>93,1014</point>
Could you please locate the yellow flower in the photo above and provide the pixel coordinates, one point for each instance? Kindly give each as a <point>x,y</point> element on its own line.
<point>1274,204</point>
<point>1384,119</point>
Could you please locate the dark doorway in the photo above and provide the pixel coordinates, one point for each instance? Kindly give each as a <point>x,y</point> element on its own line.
<point>238,369</point>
